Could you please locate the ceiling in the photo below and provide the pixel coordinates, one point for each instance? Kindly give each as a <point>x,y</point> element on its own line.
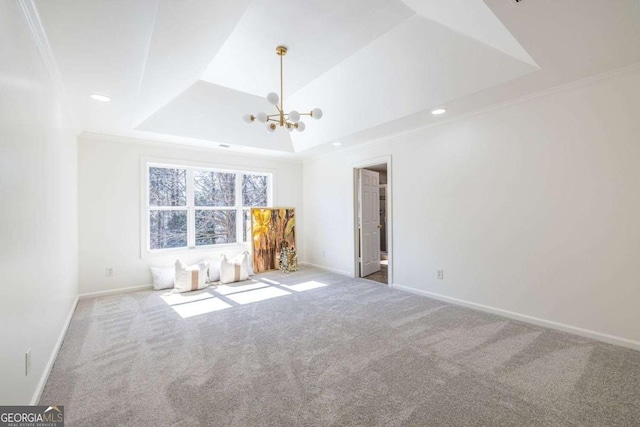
<point>185,71</point>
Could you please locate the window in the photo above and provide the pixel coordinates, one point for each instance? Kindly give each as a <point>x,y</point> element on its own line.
<point>191,207</point>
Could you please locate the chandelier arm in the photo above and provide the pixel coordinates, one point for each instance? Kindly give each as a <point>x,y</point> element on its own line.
<point>281,118</point>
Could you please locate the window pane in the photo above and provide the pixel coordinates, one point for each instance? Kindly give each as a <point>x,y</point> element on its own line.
<point>246,230</point>
<point>168,229</point>
<point>254,190</point>
<point>214,227</point>
<point>214,188</point>
<point>167,187</point>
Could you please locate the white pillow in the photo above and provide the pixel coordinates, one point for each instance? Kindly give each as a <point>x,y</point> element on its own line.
<point>231,271</point>
<point>245,258</point>
<point>190,278</point>
<point>214,270</point>
<point>163,277</point>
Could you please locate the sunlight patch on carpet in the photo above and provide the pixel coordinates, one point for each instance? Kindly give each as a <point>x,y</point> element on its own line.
<point>306,286</point>
<point>257,295</point>
<point>232,289</point>
<point>197,308</point>
<point>174,299</point>
<point>212,299</point>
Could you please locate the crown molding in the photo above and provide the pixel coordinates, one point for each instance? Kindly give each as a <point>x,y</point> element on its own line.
<point>39,35</point>
<point>190,145</point>
<point>586,81</point>
<point>32,17</point>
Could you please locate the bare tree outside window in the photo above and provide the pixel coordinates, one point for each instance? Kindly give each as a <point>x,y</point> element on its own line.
<point>215,227</point>
<point>168,229</point>
<point>167,225</point>
<point>214,188</point>
<point>202,207</point>
<point>246,221</point>
<point>254,191</point>
<point>167,187</point>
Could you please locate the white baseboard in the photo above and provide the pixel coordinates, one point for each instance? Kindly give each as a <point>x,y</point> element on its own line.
<point>322,267</point>
<point>54,354</point>
<point>115,291</point>
<point>609,339</point>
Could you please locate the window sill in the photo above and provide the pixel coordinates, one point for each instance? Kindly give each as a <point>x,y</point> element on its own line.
<point>195,250</point>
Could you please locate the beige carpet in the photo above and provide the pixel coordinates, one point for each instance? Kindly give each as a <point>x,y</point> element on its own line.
<point>315,348</point>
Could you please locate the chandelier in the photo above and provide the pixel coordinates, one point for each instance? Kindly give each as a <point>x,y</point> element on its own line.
<point>289,120</point>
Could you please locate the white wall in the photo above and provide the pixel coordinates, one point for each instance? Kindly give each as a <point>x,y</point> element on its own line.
<point>110,205</point>
<point>532,208</point>
<point>38,211</point>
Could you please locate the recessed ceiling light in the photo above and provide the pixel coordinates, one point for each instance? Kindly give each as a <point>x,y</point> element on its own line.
<point>438,111</point>
<point>336,144</point>
<point>224,146</point>
<point>99,97</point>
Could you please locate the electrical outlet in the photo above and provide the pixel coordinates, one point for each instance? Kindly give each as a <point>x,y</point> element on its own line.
<point>27,362</point>
<point>109,272</point>
<point>440,274</point>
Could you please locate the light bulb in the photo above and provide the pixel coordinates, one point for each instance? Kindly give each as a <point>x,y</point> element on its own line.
<point>262,117</point>
<point>100,97</point>
<point>294,116</point>
<point>271,127</point>
<point>290,128</point>
<point>300,126</point>
<point>273,98</point>
<point>248,118</point>
<point>316,113</point>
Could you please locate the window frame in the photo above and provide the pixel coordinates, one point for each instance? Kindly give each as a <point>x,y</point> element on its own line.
<point>145,208</point>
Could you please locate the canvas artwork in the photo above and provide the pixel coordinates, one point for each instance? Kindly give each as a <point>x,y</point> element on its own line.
<point>274,234</point>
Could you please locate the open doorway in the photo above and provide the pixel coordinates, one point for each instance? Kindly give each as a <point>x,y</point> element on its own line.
<point>372,206</point>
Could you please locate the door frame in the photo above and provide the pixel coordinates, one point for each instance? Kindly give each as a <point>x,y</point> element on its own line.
<point>385,216</point>
<point>370,226</point>
<point>389,208</point>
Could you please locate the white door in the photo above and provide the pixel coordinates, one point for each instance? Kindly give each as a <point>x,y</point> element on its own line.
<point>369,214</point>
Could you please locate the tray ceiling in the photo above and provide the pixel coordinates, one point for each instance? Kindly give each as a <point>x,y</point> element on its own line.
<point>186,71</point>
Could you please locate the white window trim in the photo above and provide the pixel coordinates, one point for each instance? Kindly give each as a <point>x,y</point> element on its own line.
<point>145,162</point>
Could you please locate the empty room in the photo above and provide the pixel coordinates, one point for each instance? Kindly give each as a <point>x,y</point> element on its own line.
<point>319,213</point>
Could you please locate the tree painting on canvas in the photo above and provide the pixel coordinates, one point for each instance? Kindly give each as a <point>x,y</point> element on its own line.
<point>272,229</point>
